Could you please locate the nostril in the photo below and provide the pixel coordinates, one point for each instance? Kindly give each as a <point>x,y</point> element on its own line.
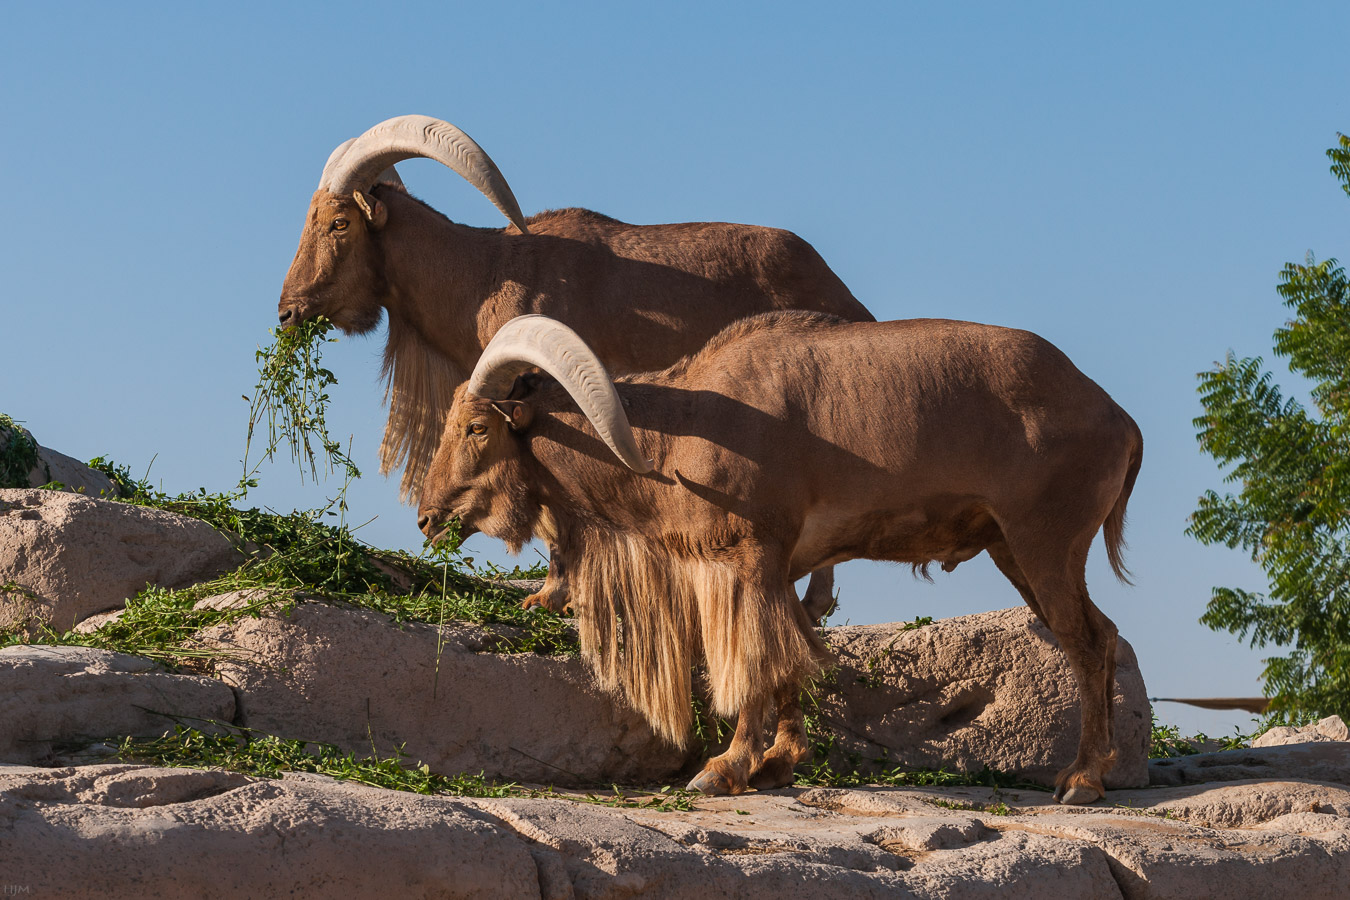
<point>423,522</point>
<point>285,316</point>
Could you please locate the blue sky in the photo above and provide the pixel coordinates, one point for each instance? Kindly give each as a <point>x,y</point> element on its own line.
<point>1124,180</point>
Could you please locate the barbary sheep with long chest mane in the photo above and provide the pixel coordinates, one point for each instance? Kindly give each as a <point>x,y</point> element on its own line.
<point>641,295</point>
<point>791,441</point>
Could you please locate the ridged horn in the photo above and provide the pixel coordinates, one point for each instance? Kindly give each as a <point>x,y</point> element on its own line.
<point>405,137</point>
<point>333,158</point>
<point>534,340</point>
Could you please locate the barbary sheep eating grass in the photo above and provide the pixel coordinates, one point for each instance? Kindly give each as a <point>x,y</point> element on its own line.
<point>642,296</point>
<point>791,441</point>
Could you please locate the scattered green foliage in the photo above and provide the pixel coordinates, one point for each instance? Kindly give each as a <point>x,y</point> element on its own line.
<point>1292,513</point>
<point>823,775</point>
<point>870,678</point>
<point>254,753</point>
<point>997,808</point>
<point>667,799</point>
<point>120,476</point>
<point>18,454</point>
<point>1160,812</point>
<point>294,555</point>
<point>1167,742</point>
<point>825,770</point>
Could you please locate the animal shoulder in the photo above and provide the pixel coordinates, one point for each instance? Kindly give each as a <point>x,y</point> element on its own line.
<point>776,321</point>
<point>571,217</point>
<point>752,328</point>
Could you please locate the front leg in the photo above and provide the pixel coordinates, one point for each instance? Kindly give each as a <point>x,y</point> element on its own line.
<point>790,745</point>
<point>730,772</point>
<point>554,594</point>
<point>759,647</point>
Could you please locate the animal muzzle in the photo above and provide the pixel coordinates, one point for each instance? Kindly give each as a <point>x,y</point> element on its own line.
<point>291,311</point>
<point>432,523</point>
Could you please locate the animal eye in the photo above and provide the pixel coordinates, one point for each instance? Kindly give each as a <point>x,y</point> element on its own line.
<point>339,224</point>
<point>477,428</point>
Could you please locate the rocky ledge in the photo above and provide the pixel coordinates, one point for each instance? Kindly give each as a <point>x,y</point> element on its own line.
<point>124,830</point>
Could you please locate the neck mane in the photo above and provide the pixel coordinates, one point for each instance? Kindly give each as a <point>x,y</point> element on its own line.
<point>436,286</point>
<point>420,386</point>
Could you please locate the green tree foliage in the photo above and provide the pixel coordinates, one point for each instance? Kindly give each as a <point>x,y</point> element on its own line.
<point>1292,513</point>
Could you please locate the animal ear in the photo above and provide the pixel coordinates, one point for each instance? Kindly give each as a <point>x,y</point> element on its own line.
<point>390,177</point>
<point>375,214</point>
<point>518,413</point>
<point>524,385</point>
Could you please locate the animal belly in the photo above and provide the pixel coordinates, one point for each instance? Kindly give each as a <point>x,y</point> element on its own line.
<point>946,533</point>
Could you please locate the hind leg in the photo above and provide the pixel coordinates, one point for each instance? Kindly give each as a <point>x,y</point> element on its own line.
<point>789,744</point>
<point>820,599</point>
<point>1056,589</point>
<point>1003,559</point>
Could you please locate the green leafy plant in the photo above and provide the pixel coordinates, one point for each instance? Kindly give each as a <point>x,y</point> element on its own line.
<point>18,454</point>
<point>255,753</point>
<point>291,398</point>
<point>1292,510</point>
<point>1166,741</point>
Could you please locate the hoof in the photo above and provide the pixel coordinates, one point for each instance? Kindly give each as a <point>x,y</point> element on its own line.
<point>1077,795</point>
<point>710,783</point>
<point>775,773</point>
<point>545,601</point>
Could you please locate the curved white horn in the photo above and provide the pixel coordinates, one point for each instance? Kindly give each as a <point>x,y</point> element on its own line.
<point>533,340</point>
<point>405,137</point>
<point>333,158</point>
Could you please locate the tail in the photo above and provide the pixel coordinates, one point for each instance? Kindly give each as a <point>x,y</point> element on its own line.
<point>1113,530</point>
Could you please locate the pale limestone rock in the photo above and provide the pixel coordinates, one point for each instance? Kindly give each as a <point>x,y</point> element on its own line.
<point>73,474</point>
<point>351,677</point>
<point>182,833</point>
<point>144,831</point>
<point>71,556</point>
<point>1309,823</point>
<point>346,677</point>
<point>93,623</point>
<point>51,696</point>
<point>989,689</point>
<point>1241,804</point>
<point>1329,729</point>
<point>1327,761</point>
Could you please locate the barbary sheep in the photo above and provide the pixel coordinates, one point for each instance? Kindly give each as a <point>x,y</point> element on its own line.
<point>642,296</point>
<point>791,441</point>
